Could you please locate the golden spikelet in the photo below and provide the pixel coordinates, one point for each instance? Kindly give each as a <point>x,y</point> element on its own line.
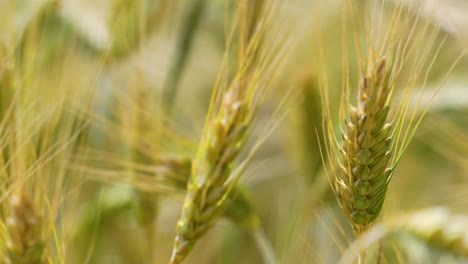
<point>24,244</point>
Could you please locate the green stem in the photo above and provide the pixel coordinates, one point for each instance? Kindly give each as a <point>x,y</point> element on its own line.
<point>264,246</point>
<point>362,257</point>
<point>362,253</point>
<point>379,255</point>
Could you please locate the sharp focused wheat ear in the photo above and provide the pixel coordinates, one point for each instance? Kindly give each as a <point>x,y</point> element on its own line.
<point>24,242</point>
<point>372,141</point>
<point>362,166</point>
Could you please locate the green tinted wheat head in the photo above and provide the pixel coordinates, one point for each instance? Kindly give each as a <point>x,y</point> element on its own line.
<point>207,192</point>
<point>377,128</point>
<point>213,179</point>
<point>364,160</point>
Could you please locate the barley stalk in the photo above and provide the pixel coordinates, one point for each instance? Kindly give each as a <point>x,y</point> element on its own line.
<point>364,171</point>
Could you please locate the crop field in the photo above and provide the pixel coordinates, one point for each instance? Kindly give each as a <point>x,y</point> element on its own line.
<point>233,131</point>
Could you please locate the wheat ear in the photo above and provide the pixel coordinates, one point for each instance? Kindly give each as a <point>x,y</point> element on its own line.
<point>436,227</point>
<point>207,191</point>
<point>233,106</point>
<point>307,121</point>
<point>364,170</point>
<point>24,244</point>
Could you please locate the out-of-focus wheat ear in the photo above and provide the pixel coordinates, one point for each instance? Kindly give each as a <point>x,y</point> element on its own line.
<point>362,165</point>
<point>307,121</point>
<point>127,27</point>
<point>436,227</point>
<point>36,36</point>
<point>24,244</point>
<point>184,45</point>
<point>131,24</point>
